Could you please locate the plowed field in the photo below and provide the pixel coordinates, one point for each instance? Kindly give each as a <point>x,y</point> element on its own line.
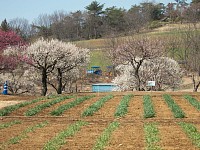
<point>129,135</point>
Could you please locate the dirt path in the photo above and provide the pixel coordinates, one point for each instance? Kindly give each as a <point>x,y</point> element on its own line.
<point>161,108</point>
<point>135,109</point>
<point>190,111</point>
<point>173,137</point>
<point>123,139</point>
<point>85,139</point>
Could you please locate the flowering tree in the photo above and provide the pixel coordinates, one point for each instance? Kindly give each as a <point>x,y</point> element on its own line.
<point>163,70</point>
<point>9,39</point>
<point>135,52</point>
<point>54,56</point>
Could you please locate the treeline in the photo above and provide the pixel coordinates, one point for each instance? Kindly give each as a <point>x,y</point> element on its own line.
<point>96,21</point>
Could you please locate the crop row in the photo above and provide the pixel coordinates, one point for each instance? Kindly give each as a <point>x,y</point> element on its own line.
<point>96,106</point>
<point>38,108</point>
<point>60,110</point>
<point>121,110</point>
<point>151,133</point>
<point>7,110</point>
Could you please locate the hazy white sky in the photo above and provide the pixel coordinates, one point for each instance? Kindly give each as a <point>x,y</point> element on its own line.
<point>30,9</point>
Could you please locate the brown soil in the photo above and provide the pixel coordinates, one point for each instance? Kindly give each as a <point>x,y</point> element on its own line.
<point>161,108</point>
<point>127,137</point>
<point>173,138</point>
<point>86,138</point>
<point>190,111</point>
<point>135,109</point>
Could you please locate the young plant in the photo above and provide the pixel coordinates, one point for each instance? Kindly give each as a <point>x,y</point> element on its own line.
<point>9,124</point>
<point>96,106</point>
<point>177,111</point>
<point>152,136</point>
<point>38,108</point>
<point>56,142</point>
<point>67,106</point>
<point>122,108</point>
<point>192,101</point>
<point>7,110</point>
<point>191,132</point>
<point>149,111</point>
<point>102,141</point>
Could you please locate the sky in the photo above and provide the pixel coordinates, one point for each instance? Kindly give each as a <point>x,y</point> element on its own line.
<point>31,9</point>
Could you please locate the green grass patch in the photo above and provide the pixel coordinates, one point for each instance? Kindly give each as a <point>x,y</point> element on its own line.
<point>152,136</point>
<point>102,141</point>
<point>191,132</point>
<point>38,108</point>
<point>192,101</point>
<point>9,124</point>
<point>177,111</point>
<point>96,106</point>
<point>149,111</point>
<point>59,140</point>
<point>122,109</point>
<point>60,110</point>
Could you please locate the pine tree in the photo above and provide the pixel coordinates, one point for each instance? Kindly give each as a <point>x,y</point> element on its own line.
<point>5,26</point>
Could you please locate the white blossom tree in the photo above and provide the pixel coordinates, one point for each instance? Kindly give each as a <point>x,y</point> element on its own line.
<point>163,70</point>
<point>135,51</point>
<point>54,56</point>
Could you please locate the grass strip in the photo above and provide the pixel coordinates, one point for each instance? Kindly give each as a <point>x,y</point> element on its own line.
<point>122,109</point>
<point>191,132</point>
<point>102,141</point>
<point>177,111</point>
<point>7,110</point>
<point>9,124</point>
<point>38,108</point>
<point>192,101</point>
<point>96,106</point>
<point>152,136</point>
<point>67,106</point>
<point>59,140</point>
<point>149,111</point>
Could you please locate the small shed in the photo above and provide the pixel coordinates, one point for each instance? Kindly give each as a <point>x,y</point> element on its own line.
<point>103,87</point>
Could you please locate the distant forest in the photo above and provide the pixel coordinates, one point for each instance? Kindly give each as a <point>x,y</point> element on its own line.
<point>96,21</point>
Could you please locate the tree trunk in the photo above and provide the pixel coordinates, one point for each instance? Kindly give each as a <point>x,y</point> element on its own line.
<point>59,79</point>
<point>44,82</point>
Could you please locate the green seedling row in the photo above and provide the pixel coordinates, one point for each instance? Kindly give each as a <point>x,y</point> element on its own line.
<point>122,109</point>
<point>191,132</point>
<point>193,101</point>
<point>7,110</point>
<point>103,140</point>
<point>177,111</point>
<point>38,108</point>
<point>67,106</point>
<point>96,106</point>
<point>152,136</point>
<point>59,140</point>
<point>149,111</point>
<point>23,134</point>
<point>9,124</point>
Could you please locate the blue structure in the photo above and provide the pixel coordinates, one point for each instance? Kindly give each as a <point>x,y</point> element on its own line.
<point>103,87</point>
<point>5,88</point>
<point>95,70</point>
